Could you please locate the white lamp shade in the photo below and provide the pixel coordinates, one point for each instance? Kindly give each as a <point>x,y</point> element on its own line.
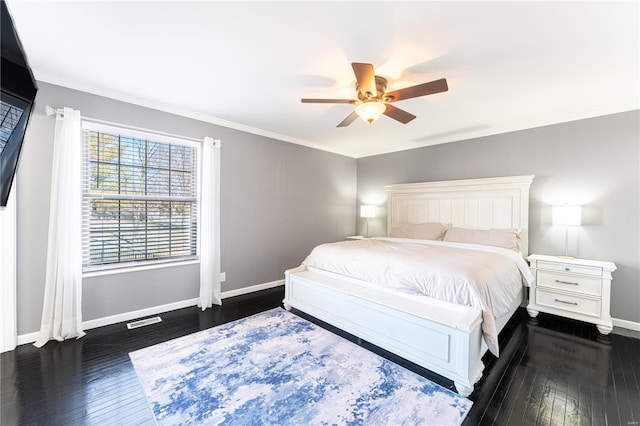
<point>370,111</point>
<point>367,211</point>
<point>566,215</point>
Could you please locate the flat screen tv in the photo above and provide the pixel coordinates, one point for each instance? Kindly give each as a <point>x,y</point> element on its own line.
<point>16,102</point>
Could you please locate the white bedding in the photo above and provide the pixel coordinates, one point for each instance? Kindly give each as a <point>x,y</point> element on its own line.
<point>485,277</point>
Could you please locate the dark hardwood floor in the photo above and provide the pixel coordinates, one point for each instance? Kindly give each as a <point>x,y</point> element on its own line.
<point>551,371</point>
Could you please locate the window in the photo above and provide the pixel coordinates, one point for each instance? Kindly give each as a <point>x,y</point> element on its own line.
<point>139,197</point>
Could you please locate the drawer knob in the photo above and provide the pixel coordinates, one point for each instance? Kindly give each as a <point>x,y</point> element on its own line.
<point>567,269</point>
<point>564,301</point>
<point>566,282</point>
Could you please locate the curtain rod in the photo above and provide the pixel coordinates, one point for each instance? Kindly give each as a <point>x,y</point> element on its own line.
<point>50,111</point>
<point>60,111</point>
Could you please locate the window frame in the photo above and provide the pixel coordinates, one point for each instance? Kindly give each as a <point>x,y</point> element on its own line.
<point>152,136</point>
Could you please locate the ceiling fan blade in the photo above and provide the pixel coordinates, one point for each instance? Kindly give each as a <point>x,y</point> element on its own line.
<point>423,89</point>
<point>398,114</point>
<point>365,77</point>
<point>328,101</point>
<point>350,119</point>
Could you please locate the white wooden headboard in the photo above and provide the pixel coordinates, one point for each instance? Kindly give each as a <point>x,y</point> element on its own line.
<point>501,202</point>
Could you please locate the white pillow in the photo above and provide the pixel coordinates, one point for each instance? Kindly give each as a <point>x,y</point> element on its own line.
<point>422,231</point>
<point>506,238</point>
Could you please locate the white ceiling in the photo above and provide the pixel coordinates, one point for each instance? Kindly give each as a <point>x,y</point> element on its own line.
<point>509,65</point>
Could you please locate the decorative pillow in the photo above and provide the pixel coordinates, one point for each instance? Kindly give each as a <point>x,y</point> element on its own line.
<point>422,231</point>
<point>506,238</point>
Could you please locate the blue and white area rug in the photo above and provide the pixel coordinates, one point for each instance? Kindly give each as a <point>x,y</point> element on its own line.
<point>275,368</point>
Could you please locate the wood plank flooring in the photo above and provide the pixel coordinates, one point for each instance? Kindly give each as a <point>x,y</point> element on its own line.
<point>551,372</point>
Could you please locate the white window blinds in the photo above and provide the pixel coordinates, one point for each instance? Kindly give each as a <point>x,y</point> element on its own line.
<point>139,197</point>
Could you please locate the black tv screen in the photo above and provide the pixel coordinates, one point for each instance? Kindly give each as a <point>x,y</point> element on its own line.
<point>16,102</point>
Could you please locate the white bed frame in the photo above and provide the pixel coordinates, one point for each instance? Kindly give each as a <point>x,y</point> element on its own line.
<point>443,337</point>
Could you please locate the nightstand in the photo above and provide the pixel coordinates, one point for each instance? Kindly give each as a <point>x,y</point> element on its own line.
<point>355,237</point>
<point>573,288</point>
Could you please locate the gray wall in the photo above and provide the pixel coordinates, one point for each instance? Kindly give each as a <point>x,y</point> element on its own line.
<point>278,201</point>
<point>591,162</point>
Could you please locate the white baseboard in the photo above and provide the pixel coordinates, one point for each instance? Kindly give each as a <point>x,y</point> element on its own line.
<point>154,310</point>
<point>251,289</point>
<point>27,338</point>
<point>629,325</point>
<point>114,319</point>
<point>128,316</point>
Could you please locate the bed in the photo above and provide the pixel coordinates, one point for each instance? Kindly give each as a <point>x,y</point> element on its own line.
<point>444,337</point>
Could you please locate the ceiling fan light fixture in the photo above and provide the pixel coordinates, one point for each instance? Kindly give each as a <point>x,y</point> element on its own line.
<point>370,111</point>
<point>373,99</point>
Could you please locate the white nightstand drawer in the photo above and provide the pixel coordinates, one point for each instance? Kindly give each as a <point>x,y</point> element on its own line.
<point>575,283</point>
<point>568,302</point>
<point>572,268</point>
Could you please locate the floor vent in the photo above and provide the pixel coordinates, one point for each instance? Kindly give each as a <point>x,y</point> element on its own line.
<point>143,322</point>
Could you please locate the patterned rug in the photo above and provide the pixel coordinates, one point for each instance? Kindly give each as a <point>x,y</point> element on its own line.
<point>275,368</point>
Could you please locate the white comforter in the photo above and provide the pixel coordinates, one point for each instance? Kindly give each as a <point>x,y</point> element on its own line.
<point>487,278</point>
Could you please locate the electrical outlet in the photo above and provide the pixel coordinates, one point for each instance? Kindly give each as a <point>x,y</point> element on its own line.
<point>223,277</point>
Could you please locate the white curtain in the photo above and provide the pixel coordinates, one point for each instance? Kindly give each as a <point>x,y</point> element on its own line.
<point>210,225</point>
<point>62,309</point>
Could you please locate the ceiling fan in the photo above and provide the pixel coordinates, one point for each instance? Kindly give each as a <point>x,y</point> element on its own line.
<point>373,100</point>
